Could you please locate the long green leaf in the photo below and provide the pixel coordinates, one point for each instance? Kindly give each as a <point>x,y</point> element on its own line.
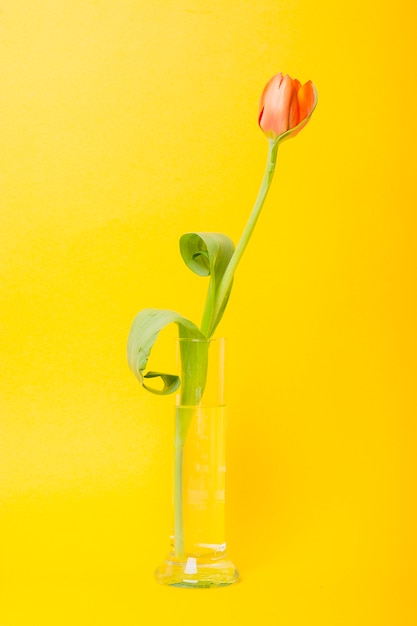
<point>144,331</point>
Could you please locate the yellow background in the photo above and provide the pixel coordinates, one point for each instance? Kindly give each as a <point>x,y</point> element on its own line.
<point>124,124</point>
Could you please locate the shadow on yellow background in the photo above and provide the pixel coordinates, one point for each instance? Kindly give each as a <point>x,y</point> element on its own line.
<point>124,125</point>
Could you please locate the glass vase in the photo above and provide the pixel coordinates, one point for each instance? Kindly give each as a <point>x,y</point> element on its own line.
<point>197,556</point>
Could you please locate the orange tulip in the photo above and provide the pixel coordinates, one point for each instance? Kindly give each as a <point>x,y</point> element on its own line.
<point>286,106</point>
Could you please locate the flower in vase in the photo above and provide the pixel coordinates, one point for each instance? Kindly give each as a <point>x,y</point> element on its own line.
<point>285,106</point>
<point>284,109</point>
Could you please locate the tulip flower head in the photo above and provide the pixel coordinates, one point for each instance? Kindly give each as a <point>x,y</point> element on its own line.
<point>285,107</point>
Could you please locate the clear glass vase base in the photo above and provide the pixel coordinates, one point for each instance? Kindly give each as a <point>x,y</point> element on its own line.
<point>195,574</point>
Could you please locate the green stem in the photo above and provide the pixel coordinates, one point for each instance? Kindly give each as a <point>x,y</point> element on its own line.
<point>226,281</point>
<point>194,363</point>
<point>194,356</point>
<point>178,487</point>
<point>178,521</point>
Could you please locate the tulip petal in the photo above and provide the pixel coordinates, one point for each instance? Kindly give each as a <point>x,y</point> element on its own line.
<point>280,104</point>
<point>307,97</point>
<point>294,109</point>
<point>275,79</point>
<point>275,98</point>
<point>267,117</point>
<point>303,122</point>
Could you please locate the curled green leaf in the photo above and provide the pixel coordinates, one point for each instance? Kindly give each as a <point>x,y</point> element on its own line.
<point>144,331</point>
<point>208,254</point>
